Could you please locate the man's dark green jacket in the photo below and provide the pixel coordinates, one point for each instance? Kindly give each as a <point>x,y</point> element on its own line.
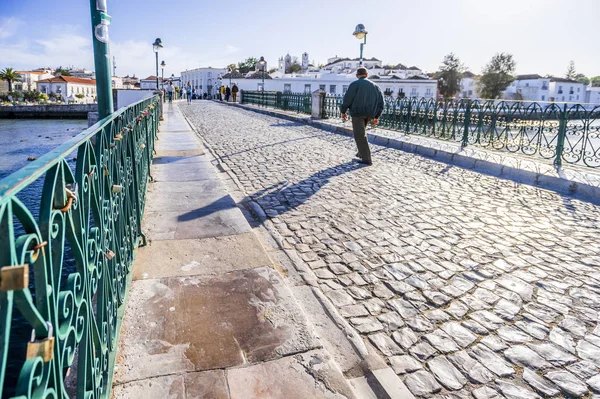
<point>363,98</point>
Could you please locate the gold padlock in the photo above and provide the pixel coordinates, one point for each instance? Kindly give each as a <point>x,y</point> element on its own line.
<point>43,348</point>
<point>13,278</point>
<point>109,254</point>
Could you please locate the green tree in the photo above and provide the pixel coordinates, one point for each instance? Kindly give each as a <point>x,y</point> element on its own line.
<point>60,71</point>
<point>496,76</point>
<point>571,71</point>
<point>449,76</point>
<point>582,78</point>
<point>10,75</point>
<point>248,65</point>
<point>595,81</point>
<point>233,67</point>
<point>295,67</point>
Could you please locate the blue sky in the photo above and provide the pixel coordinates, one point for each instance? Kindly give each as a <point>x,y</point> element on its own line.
<point>543,35</point>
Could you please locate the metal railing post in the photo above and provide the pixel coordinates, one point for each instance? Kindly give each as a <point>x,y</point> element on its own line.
<point>100,22</point>
<point>560,140</point>
<point>465,137</point>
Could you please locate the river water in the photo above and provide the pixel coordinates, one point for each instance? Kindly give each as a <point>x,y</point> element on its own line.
<point>20,139</point>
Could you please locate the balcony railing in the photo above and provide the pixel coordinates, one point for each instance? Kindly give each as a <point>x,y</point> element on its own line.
<point>70,223</point>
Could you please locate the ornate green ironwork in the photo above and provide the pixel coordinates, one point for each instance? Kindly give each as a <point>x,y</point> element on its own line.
<point>90,216</point>
<point>299,102</point>
<point>563,133</point>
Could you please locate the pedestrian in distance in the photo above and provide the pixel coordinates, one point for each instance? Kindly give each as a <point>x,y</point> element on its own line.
<point>364,99</point>
<point>188,92</point>
<point>222,93</point>
<point>227,93</point>
<point>234,92</point>
<point>170,91</point>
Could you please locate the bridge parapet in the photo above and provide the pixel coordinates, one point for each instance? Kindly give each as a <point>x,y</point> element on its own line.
<point>66,258</point>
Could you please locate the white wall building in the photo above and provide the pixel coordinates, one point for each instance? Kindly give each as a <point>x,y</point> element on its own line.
<point>116,82</point>
<point>529,88</point>
<point>333,83</point>
<point>68,87</point>
<point>150,83</point>
<point>203,79</point>
<point>29,79</point>
<point>567,90</point>
<point>82,73</point>
<point>592,95</point>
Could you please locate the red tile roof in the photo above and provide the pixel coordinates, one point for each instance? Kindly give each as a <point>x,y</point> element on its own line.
<point>68,79</point>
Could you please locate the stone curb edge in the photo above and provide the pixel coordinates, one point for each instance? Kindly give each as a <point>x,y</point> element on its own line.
<point>371,362</point>
<point>578,190</point>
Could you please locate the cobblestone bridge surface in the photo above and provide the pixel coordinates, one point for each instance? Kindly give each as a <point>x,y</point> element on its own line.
<point>466,283</point>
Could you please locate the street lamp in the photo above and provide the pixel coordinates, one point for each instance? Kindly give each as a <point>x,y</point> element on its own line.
<point>163,65</point>
<point>262,64</point>
<point>361,33</point>
<point>157,45</point>
<point>220,79</point>
<point>229,71</point>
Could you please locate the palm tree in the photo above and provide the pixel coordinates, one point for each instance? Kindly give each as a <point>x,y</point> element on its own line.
<point>10,75</point>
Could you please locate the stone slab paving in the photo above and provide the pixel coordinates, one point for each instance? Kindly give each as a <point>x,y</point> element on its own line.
<point>208,315</point>
<point>467,284</point>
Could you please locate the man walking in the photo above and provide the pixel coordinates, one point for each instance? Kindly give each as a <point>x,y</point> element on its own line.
<point>365,101</point>
<point>170,91</point>
<point>234,92</point>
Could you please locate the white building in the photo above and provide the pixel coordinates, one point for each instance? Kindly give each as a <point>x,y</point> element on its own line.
<point>468,86</point>
<point>29,79</point>
<point>116,82</point>
<point>150,83</point>
<point>529,88</point>
<point>68,88</point>
<point>204,80</point>
<point>333,83</point>
<point>567,90</point>
<point>131,82</point>
<point>339,64</point>
<point>592,95</point>
<point>82,73</point>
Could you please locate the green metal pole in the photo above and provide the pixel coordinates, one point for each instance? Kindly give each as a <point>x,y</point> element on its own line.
<point>465,137</point>
<point>100,22</point>
<point>560,140</point>
<point>156,70</point>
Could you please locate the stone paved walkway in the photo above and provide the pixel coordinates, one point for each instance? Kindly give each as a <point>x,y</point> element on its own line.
<point>466,283</point>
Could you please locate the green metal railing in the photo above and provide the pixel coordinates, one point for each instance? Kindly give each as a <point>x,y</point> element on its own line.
<point>78,255</point>
<point>563,133</point>
<point>298,102</point>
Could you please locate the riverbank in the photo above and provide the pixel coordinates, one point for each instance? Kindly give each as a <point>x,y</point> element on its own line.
<point>48,111</point>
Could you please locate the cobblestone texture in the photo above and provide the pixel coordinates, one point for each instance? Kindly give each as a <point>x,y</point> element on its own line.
<point>466,283</point>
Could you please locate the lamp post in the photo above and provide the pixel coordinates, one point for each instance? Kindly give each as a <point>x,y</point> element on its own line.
<point>157,45</point>
<point>229,71</point>
<point>361,33</point>
<point>163,65</point>
<point>262,64</point>
<point>100,22</point>
<point>220,79</point>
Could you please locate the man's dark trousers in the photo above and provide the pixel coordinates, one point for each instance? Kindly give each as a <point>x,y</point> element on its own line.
<point>359,127</point>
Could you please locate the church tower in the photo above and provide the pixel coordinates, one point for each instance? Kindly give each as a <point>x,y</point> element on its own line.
<point>304,62</point>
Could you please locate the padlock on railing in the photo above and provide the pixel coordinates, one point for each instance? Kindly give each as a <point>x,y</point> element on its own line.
<point>109,254</point>
<point>43,348</point>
